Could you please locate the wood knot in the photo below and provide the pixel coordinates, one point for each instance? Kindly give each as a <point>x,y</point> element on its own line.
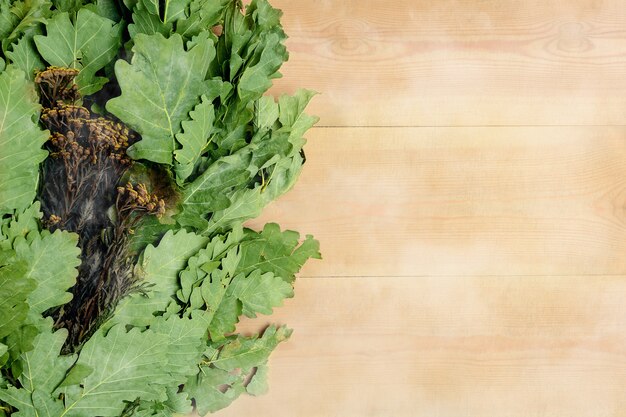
<point>353,37</point>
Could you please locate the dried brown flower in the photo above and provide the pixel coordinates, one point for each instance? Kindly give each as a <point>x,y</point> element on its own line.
<point>80,185</point>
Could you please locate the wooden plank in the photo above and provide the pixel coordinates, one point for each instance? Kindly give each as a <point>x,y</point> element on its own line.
<point>462,201</point>
<point>448,346</point>
<point>459,62</point>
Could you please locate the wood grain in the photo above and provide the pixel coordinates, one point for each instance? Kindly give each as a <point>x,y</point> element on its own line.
<point>459,62</point>
<point>462,201</point>
<point>448,346</point>
<point>476,267</point>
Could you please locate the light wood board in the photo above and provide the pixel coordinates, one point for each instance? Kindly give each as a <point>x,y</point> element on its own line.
<point>449,346</point>
<point>459,62</point>
<point>462,201</point>
<point>467,182</point>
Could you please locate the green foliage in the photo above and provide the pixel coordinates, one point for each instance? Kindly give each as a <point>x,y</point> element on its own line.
<point>43,371</point>
<point>246,353</point>
<point>277,252</point>
<point>88,44</point>
<point>195,139</point>
<point>147,23</point>
<point>19,225</point>
<point>126,365</point>
<point>186,340</point>
<point>209,192</point>
<point>37,269</point>
<point>51,261</point>
<point>208,134</point>
<point>25,57</point>
<point>260,293</point>
<point>202,14</point>
<point>161,85</point>
<point>237,187</point>
<point>159,267</point>
<point>21,18</point>
<point>21,140</point>
<point>225,372</point>
<point>15,288</point>
<point>177,403</point>
<point>173,10</point>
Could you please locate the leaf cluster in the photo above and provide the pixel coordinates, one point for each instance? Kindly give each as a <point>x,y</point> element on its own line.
<point>189,77</point>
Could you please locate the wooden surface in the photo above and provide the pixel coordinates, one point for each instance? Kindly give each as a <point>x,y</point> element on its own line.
<point>467,182</point>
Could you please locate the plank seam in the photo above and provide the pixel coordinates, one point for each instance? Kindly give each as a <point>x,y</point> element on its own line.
<point>463,276</point>
<point>457,126</point>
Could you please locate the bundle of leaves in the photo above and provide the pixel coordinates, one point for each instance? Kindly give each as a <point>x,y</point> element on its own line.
<point>135,142</point>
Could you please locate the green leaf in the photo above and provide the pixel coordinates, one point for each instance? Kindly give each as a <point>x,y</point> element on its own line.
<point>223,375</point>
<point>260,293</point>
<point>15,287</point>
<point>21,140</point>
<point>76,375</point>
<point>160,267</point>
<point>257,79</point>
<point>25,57</point>
<point>275,149</point>
<point>264,14</point>
<point>225,295</point>
<point>7,19</point>
<point>149,231</point>
<point>175,405</point>
<point>45,405</point>
<point>207,193</point>
<point>277,252</point>
<point>106,8</point>
<point>245,204</point>
<point>221,252</point>
<point>195,138</point>
<point>250,54</point>
<point>248,203</point>
<point>247,352</point>
<point>147,23</point>
<point>203,14</point>
<point>186,341</point>
<point>173,10</point>
<point>266,112</point>
<point>21,340</point>
<point>88,44</point>
<point>18,398</point>
<point>160,86</point>
<point>43,370</point>
<point>227,298</point>
<point>196,101</point>
<point>20,224</point>
<point>131,4</point>
<point>177,402</point>
<point>24,17</point>
<point>71,6</point>
<point>51,260</point>
<point>224,309</point>
<point>293,118</point>
<point>151,6</point>
<point>126,365</point>
<point>44,367</point>
<point>162,264</point>
<point>258,383</point>
<point>207,389</point>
